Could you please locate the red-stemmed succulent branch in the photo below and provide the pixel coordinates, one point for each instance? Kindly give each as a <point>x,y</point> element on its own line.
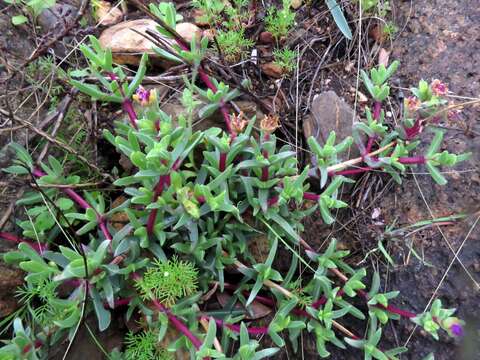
<point>127,106</point>
<point>177,323</point>
<point>412,160</point>
<point>356,171</point>
<point>163,182</point>
<point>392,309</point>
<point>102,222</point>
<point>183,44</point>
<point>180,326</point>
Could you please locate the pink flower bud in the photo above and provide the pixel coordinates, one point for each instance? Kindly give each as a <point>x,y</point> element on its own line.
<point>412,103</point>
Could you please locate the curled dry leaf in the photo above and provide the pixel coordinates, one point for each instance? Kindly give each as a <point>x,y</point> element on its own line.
<point>210,34</point>
<point>189,31</point>
<point>376,33</point>
<point>362,98</point>
<point>273,70</point>
<point>199,18</point>
<point>119,219</point>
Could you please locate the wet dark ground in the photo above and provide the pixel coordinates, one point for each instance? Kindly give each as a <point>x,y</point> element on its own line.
<point>441,39</point>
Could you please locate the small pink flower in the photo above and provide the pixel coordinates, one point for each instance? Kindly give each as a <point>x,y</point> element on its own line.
<point>457,330</point>
<point>454,326</point>
<point>439,88</point>
<point>143,96</point>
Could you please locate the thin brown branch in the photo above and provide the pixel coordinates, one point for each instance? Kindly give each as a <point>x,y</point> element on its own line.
<point>65,147</point>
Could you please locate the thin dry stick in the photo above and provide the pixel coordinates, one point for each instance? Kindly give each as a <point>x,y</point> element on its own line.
<point>359,159</point>
<point>63,109</point>
<point>64,147</point>
<point>444,237</point>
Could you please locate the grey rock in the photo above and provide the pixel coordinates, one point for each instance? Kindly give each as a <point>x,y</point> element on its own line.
<point>328,112</point>
<point>56,17</point>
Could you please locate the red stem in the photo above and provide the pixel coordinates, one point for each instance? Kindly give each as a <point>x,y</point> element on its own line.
<point>104,228</point>
<point>414,130</point>
<point>208,83</point>
<point>370,142</point>
<point>77,198</point>
<point>172,318</point>
<point>178,324</point>
<point>222,162</point>
<point>272,201</point>
<point>40,248</point>
<point>37,343</point>
<point>117,303</point>
<point>310,196</point>
<point>162,182</point>
<point>412,160</point>
<point>127,106</point>
<point>264,173</point>
<point>390,308</point>
<point>352,171</point>
<point>233,327</point>
<point>223,108</point>
<point>377,109</point>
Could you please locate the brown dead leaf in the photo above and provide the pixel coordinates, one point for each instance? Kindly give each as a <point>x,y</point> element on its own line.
<point>266,37</point>
<point>119,219</point>
<point>273,70</point>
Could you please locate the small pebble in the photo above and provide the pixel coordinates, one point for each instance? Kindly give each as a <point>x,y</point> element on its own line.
<point>295,4</point>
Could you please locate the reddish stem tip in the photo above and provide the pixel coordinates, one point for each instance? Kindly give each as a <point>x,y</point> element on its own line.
<point>132,116</point>
<point>412,160</point>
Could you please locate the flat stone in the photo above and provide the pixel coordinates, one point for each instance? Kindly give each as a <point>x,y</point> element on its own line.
<point>127,43</point>
<point>329,112</point>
